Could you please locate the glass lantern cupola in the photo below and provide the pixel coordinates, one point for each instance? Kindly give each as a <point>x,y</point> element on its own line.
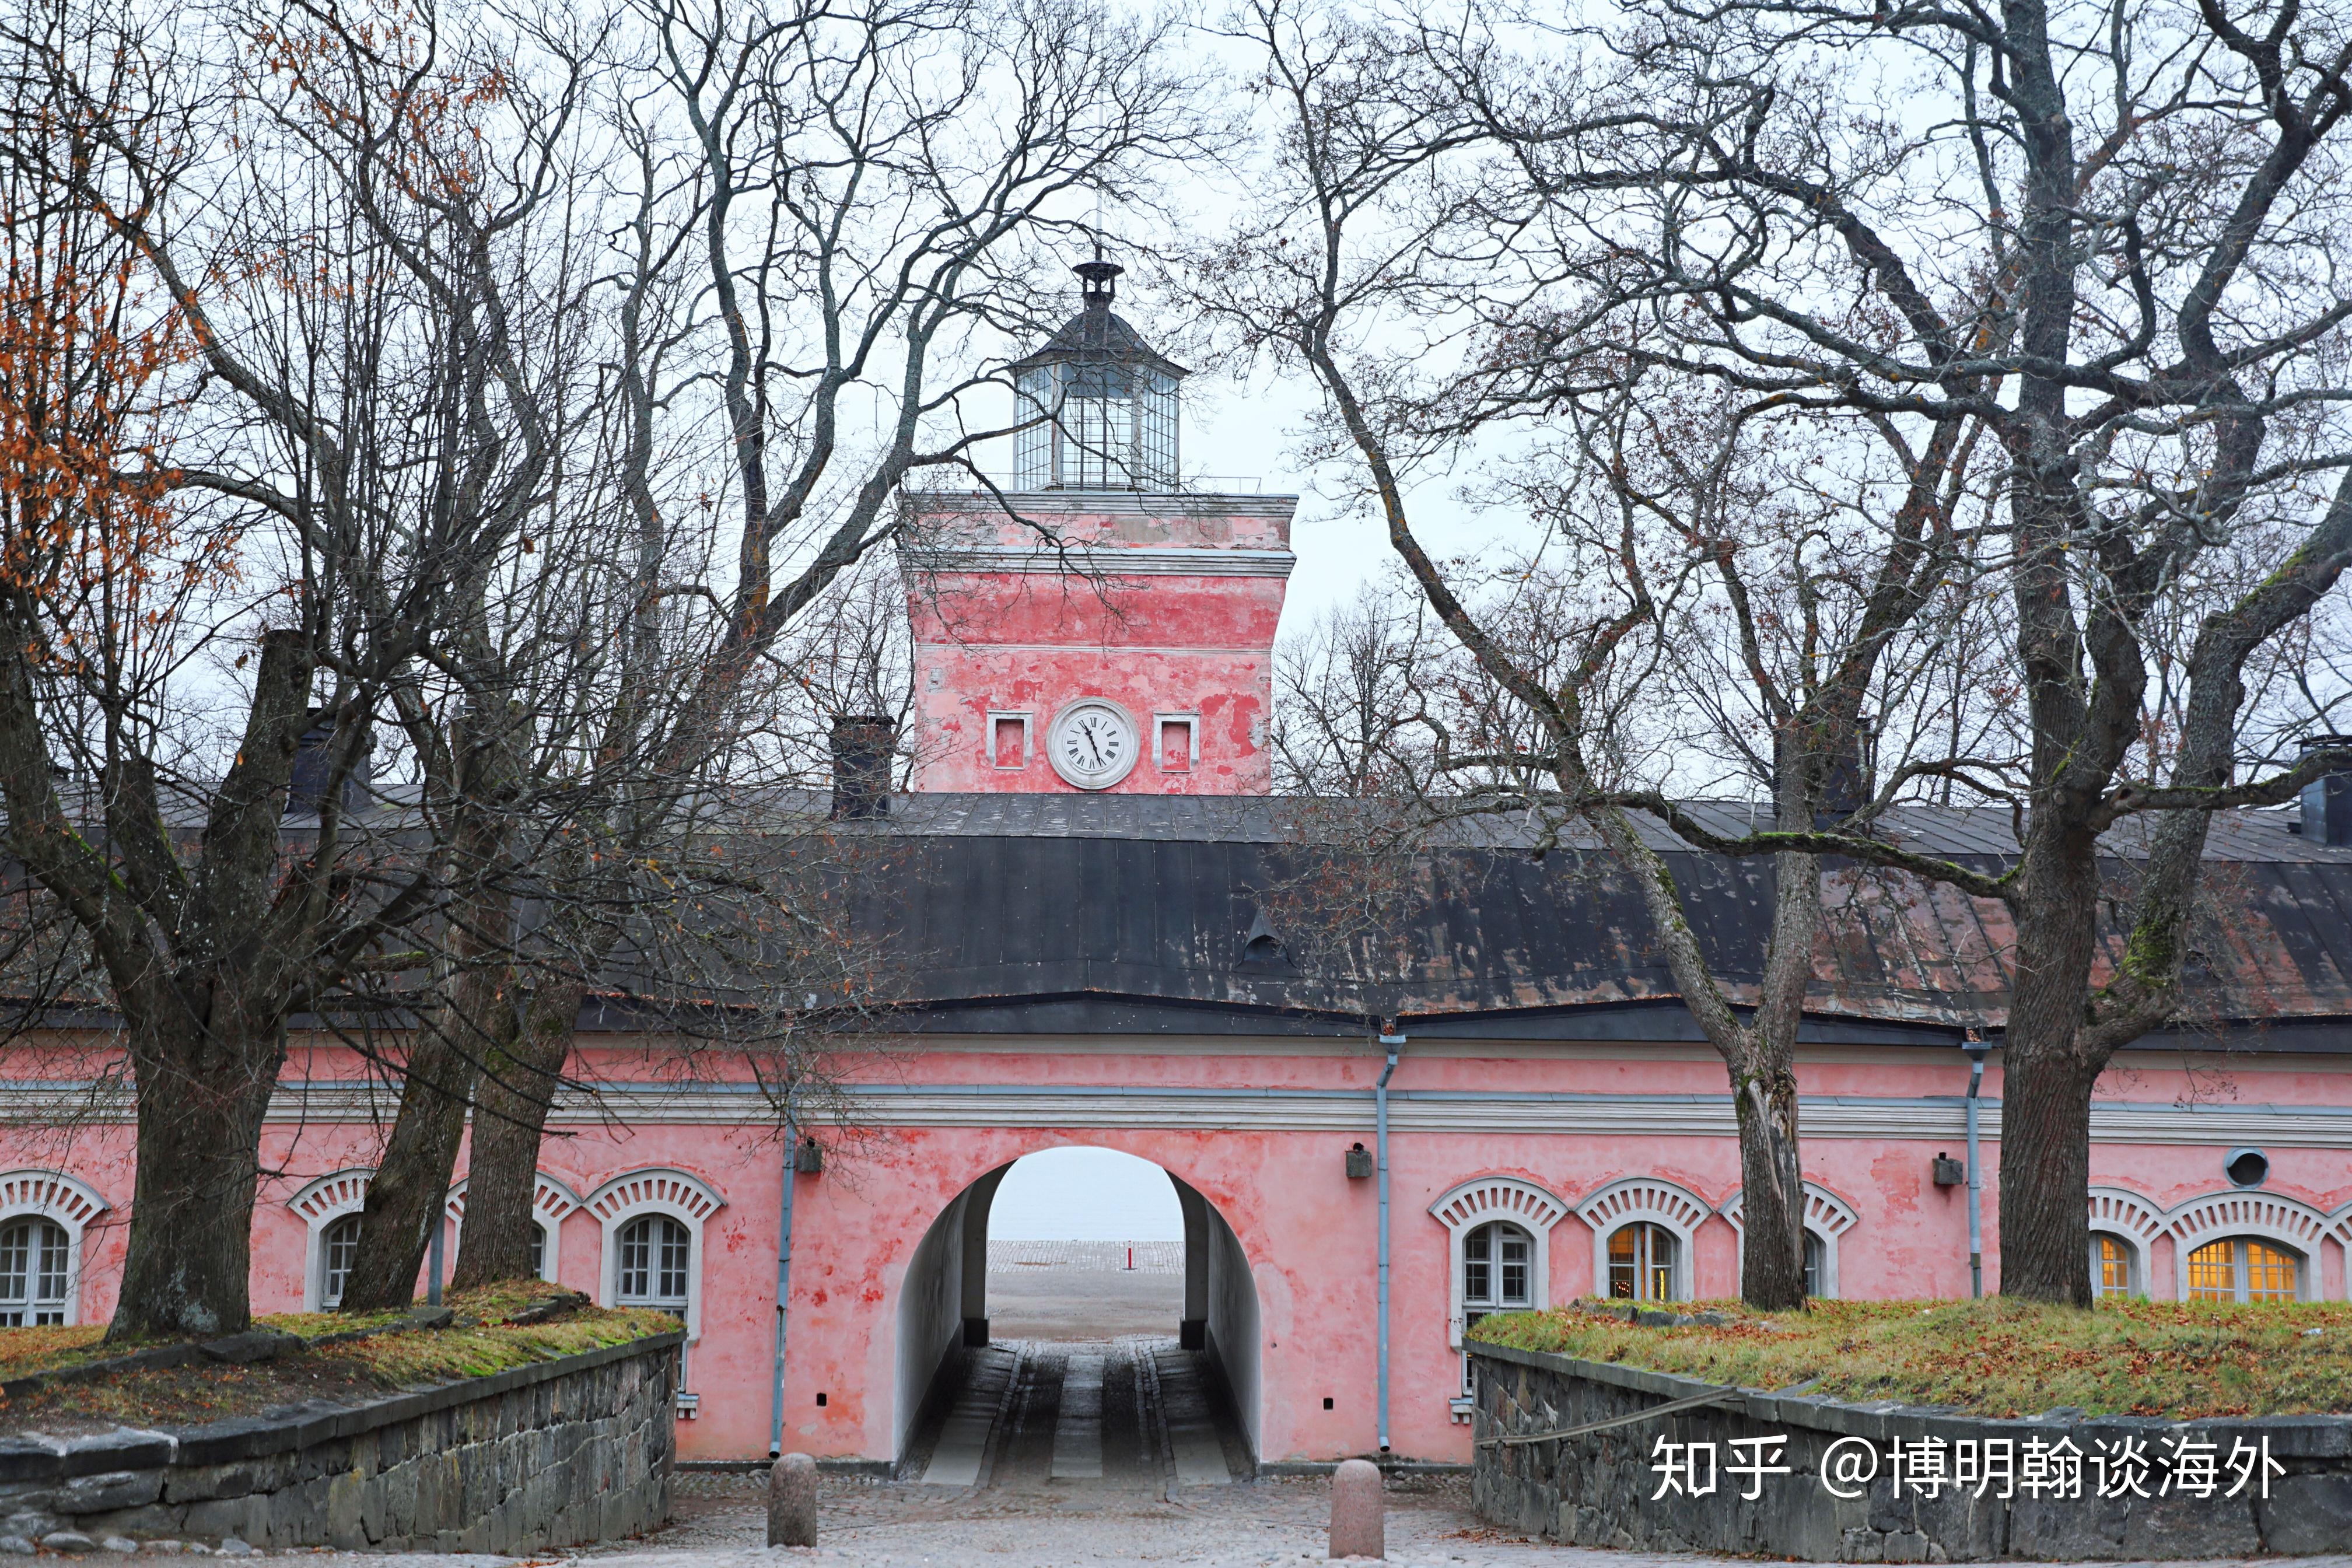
<point>1096,403</point>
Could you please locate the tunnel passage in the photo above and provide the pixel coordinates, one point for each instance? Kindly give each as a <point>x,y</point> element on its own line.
<point>1083,1390</point>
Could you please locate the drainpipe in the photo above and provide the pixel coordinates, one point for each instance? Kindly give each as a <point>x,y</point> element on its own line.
<point>1393,1043</point>
<point>1976,1047</point>
<point>783,1277</point>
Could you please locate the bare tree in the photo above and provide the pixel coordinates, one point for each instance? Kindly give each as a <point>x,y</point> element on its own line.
<point>2070,231</point>
<point>322,308</point>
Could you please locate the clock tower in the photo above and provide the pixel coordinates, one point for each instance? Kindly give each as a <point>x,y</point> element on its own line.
<point>1104,626</point>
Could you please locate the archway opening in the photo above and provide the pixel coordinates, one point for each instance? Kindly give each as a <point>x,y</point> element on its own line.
<point>1068,1317</point>
<point>1085,1244</point>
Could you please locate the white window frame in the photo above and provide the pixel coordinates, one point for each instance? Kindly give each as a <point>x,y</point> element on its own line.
<point>1191,723</point>
<point>684,1197</point>
<point>1615,1204</point>
<point>2248,1212</point>
<point>1480,1201</point>
<point>551,1203</point>
<point>72,1205</point>
<point>2133,1221</point>
<point>1827,1217</point>
<point>320,1202</point>
<point>1027,719</point>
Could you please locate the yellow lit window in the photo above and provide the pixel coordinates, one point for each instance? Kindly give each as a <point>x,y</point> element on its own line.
<point>2111,1265</point>
<point>1642,1263</point>
<point>2243,1269</point>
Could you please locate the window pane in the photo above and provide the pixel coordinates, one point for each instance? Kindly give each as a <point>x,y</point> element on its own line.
<point>2115,1265</point>
<point>2270,1272</point>
<point>1813,1256</point>
<point>16,1249</point>
<point>1625,1273</point>
<point>539,1250</point>
<point>340,1245</point>
<point>1661,1261</point>
<point>655,1253</point>
<point>1514,1268</point>
<point>2212,1272</point>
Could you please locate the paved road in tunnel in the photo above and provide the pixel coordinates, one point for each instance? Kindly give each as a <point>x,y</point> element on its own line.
<point>1082,1421</point>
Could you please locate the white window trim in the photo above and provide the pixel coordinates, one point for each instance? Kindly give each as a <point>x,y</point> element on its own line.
<point>1465,1207</point>
<point>660,1189</point>
<point>1191,723</point>
<point>1028,720</point>
<point>321,1202</point>
<point>2137,1223</point>
<point>71,1204</point>
<point>1827,1217</point>
<point>2240,1211</point>
<point>551,1203</point>
<point>1616,1205</point>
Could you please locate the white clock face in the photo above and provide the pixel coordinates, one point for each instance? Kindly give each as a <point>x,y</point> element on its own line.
<point>1093,743</point>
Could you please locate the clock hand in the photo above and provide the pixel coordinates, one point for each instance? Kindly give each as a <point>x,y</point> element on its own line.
<point>1092,746</point>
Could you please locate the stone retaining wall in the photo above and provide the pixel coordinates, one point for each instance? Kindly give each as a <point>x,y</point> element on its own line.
<point>1598,1489</point>
<point>558,1453</point>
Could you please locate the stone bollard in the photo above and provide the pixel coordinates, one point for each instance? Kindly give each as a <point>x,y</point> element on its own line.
<point>1355,1529</point>
<point>791,1501</point>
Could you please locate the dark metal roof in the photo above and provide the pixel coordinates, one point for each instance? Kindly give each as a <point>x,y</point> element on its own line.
<point>1132,914</point>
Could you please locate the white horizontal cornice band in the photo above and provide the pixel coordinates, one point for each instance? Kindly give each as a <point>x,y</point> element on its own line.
<point>1248,1110</point>
<point>1139,562</point>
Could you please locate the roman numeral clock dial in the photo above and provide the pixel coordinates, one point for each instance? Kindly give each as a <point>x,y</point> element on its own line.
<point>1093,743</point>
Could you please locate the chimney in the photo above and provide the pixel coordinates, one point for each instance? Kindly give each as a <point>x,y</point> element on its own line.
<point>2328,799</point>
<point>306,791</point>
<point>862,747</point>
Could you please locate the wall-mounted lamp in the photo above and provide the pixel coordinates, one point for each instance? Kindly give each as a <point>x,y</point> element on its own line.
<point>809,1158</point>
<point>1950,1173</point>
<point>1360,1163</point>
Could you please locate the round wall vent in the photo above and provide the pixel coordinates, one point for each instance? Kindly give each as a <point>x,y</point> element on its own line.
<point>2247,1167</point>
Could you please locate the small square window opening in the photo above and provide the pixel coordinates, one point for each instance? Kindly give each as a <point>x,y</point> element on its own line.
<point>1178,741</point>
<point>1008,740</point>
<point>1326,1401</point>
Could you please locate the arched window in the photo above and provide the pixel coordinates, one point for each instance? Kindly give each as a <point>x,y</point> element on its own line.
<point>338,1245</point>
<point>656,1263</point>
<point>1642,1259</point>
<point>2115,1266</point>
<point>35,1272</point>
<point>2242,1268</point>
<point>1816,1265</point>
<point>1497,1270</point>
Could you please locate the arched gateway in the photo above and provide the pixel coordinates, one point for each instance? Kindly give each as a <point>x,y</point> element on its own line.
<point>1100,928</point>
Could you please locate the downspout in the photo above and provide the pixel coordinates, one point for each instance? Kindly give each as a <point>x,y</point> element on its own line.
<point>1976,1047</point>
<point>784,1276</point>
<point>1394,1043</point>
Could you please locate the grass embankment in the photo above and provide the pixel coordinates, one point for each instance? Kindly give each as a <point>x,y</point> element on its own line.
<point>480,1340</point>
<point>1991,1358</point>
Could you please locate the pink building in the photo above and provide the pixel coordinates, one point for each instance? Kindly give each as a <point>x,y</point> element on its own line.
<point>1085,966</point>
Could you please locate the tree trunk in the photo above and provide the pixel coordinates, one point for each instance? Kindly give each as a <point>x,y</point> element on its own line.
<point>410,1190</point>
<point>2045,1097</point>
<point>511,1113</point>
<point>1772,1187</point>
<point>201,1100</point>
<point>2045,1178</point>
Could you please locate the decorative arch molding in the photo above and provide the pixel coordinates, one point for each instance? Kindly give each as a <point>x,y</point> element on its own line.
<point>321,1202</point>
<point>2270,1216</point>
<point>1827,1215</point>
<point>52,1194</point>
<point>551,1201</point>
<point>1632,1199</point>
<point>2340,1225</point>
<point>71,1204</point>
<point>1481,1201</point>
<point>2128,1215</point>
<point>333,1195</point>
<point>663,1187</point>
